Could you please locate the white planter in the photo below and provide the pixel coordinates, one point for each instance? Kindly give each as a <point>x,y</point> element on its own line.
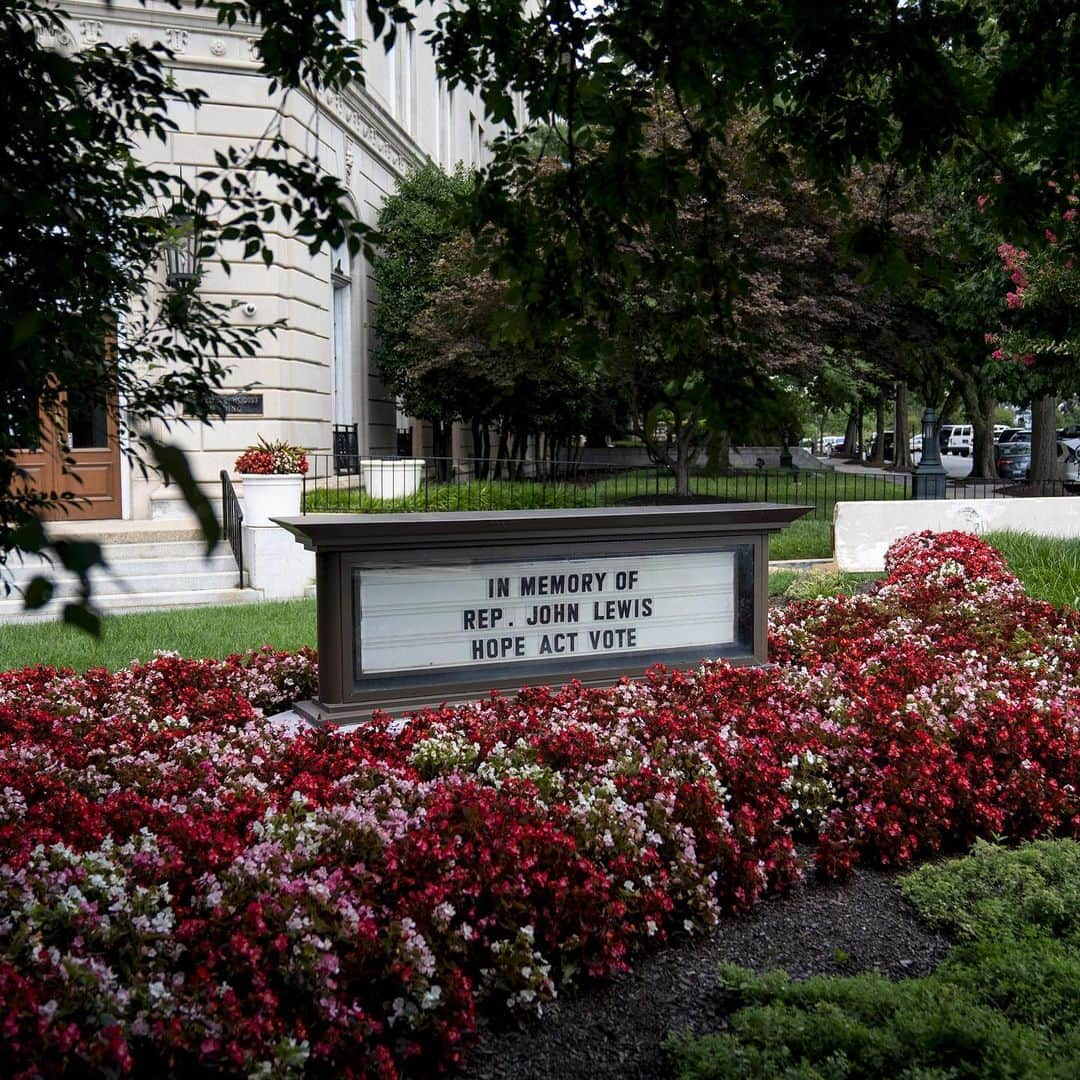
<point>271,496</point>
<point>391,478</point>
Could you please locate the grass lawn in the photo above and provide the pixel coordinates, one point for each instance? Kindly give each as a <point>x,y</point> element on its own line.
<point>203,632</point>
<point>807,538</point>
<point>821,490</point>
<point>1049,568</point>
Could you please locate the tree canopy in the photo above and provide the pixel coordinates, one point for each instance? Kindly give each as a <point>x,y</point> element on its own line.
<point>84,225</point>
<point>638,213</point>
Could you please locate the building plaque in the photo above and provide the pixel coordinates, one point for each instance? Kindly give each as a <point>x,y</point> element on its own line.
<point>418,609</point>
<point>237,405</point>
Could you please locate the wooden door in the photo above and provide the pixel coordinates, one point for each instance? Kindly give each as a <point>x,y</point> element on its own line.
<point>78,451</point>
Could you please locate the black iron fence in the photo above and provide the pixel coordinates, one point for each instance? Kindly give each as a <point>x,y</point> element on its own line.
<point>232,520</point>
<point>441,484</point>
<point>346,446</point>
<point>1009,489</point>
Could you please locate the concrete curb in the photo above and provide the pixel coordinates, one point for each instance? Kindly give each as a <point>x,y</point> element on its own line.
<point>822,566</point>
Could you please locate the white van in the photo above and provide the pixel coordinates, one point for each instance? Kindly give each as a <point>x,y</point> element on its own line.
<point>961,440</point>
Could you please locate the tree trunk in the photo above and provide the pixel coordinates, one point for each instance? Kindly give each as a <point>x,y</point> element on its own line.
<point>518,446</point>
<point>441,437</point>
<point>502,455</point>
<point>719,457</point>
<point>851,436</point>
<point>682,471</point>
<point>879,439</point>
<point>901,432</point>
<point>479,434</point>
<point>483,449</point>
<point>980,409</point>
<point>1043,440</point>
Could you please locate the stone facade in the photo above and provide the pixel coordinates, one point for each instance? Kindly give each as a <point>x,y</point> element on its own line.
<point>315,372</point>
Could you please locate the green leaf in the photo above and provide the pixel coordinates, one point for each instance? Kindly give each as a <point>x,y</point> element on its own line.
<point>38,593</point>
<point>30,537</point>
<point>79,556</point>
<point>173,464</point>
<point>80,616</point>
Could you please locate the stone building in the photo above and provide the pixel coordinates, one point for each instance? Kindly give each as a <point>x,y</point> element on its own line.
<point>314,374</point>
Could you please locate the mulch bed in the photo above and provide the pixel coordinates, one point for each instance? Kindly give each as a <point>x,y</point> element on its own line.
<point>617,1030</point>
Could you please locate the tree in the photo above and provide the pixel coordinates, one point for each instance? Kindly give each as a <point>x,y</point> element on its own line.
<point>885,82</point>
<point>415,222</point>
<point>878,81</point>
<point>521,388</point>
<point>1039,346</point>
<point>84,226</point>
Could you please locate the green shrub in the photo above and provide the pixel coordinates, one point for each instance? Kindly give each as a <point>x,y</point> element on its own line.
<point>1005,1004</point>
<point>997,889</point>
<point>861,1026</point>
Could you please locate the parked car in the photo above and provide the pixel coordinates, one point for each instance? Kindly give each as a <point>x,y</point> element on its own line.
<point>943,436</point>
<point>890,446</point>
<point>1020,435</point>
<point>916,444</point>
<point>1070,436</point>
<point>961,440</point>
<point>1013,462</point>
<point>1006,434</point>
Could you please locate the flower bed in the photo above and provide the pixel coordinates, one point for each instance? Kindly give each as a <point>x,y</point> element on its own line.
<point>187,887</point>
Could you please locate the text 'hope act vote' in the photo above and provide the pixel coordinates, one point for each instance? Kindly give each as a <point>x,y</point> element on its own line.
<point>514,646</point>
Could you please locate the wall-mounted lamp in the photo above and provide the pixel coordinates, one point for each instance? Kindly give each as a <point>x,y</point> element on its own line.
<point>182,251</point>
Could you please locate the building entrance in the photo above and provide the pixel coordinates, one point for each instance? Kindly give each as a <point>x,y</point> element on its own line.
<point>78,451</point>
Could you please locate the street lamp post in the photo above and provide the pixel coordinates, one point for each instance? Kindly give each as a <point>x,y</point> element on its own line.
<point>928,481</point>
<point>786,461</point>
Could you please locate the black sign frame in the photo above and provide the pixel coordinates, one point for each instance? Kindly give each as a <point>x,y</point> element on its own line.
<point>347,544</point>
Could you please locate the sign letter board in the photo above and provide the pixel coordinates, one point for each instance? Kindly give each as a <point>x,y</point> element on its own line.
<point>418,609</point>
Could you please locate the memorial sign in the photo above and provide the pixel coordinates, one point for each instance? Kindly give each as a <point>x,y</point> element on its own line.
<point>417,609</point>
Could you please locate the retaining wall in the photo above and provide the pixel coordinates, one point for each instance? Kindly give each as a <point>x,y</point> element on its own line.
<point>864,530</point>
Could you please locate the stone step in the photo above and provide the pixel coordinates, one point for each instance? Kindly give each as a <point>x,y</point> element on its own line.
<point>170,580</point>
<point>11,611</point>
<point>165,549</point>
<point>190,568</point>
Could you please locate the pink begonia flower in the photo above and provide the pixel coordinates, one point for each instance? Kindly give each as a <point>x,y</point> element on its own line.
<point>1014,300</point>
<point>997,354</point>
<point>1068,215</point>
<point>1051,237</point>
<point>982,200</point>
<point>990,339</point>
<point>1028,359</point>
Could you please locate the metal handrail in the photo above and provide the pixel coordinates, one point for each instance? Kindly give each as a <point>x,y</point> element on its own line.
<point>232,515</point>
